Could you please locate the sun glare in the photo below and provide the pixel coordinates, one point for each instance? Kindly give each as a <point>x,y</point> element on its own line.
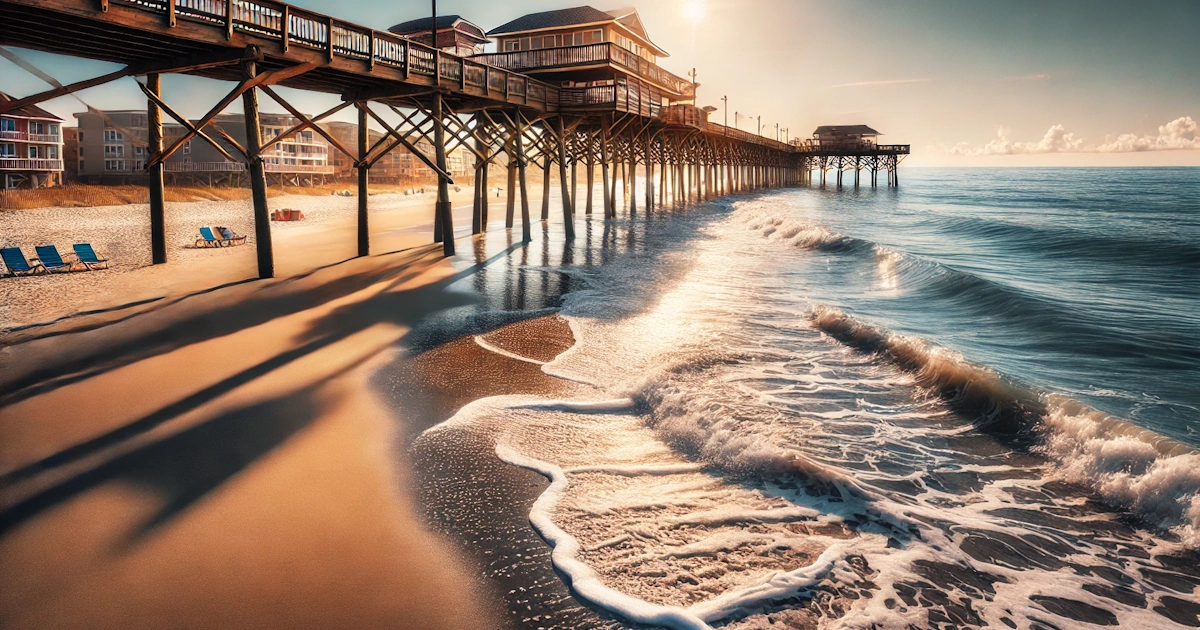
<point>694,10</point>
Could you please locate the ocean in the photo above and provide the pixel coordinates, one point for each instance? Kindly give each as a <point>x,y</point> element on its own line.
<point>972,401</point>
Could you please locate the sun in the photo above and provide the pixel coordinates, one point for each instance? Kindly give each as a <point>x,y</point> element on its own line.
<point>694,10</point>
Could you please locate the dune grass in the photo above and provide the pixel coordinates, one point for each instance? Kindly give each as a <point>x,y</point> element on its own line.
<point>88,195</point>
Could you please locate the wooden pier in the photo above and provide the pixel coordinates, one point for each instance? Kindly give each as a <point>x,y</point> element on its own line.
<point>626,114</point>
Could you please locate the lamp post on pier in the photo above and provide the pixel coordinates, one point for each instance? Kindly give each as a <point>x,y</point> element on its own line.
<point>726,100</point>
<point>760,126</point>
<point>776,132</point>
<point>736,116</point>
<point>692,74</point>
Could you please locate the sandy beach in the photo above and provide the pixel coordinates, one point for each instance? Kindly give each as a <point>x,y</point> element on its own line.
<point>186,446</point>
<point>121,234</point>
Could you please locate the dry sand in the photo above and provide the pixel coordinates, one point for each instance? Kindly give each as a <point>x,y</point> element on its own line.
<point>121,233</point>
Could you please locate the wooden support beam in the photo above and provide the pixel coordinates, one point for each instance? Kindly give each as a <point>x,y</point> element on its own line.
<point>364,147</point>
<point>546,188</point>
<point>258,178</point>
<point>526,234</point>
<point>649,172</point>
<point>510,189</point>
<point>438,170</point>
<point>172,66</point>
<point>445,218</point>
<point>605,139</point>
<point>568,209</point>
<point>308,123</point>
<point>154,129</point>
<point>193,131</point>
<point>477,226</point>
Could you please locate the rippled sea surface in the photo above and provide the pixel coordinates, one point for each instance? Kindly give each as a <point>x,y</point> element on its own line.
<point>969,402</point>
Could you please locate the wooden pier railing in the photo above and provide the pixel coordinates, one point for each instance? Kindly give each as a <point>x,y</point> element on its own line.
<point>850,148</point>
<point>606,53</point>
<point>293,26</point>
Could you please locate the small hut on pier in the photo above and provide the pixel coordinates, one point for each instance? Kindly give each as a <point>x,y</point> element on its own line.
<point>845,136</point>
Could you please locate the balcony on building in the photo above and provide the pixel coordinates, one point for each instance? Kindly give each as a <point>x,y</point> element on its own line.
<point>603,61</point>
<point>31,148</point>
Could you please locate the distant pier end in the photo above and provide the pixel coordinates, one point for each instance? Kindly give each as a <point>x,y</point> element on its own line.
<point>856,148</point>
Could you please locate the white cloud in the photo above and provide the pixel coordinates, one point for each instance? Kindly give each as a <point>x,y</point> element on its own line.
<point>1179,134</point>
<point>1056,140</point>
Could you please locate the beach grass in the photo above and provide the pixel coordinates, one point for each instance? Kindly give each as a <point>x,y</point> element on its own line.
<point>92,195</point>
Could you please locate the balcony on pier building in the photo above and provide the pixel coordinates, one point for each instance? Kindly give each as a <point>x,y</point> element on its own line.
<point>603,61</point>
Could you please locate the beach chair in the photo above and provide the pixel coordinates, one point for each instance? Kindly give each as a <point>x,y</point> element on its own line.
<point>49,257</point>
<point>207,239</point>
<point>53,261</point>
<point>15,261</point>
<point>87,256</point>
<point>229,237</point>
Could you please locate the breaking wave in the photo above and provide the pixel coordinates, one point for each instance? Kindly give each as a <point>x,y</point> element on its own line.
<point>1149,474</point>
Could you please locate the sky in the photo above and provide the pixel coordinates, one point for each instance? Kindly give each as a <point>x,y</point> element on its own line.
<point>965,82</point>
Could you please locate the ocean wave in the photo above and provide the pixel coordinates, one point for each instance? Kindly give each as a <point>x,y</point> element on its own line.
<point>800,234</point>
<point>1149,474</point>
<point>1163,252</point>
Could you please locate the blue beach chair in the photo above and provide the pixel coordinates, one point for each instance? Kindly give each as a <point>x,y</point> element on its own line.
<point>87,256</point>
<point>207,239</point>
<point>230,237</point>
<point>51,260</point>
<point>15,261</point>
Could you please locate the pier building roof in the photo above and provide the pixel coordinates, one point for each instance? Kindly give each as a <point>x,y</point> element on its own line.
<point>627,18</point>
<point>846,130</point>
<point>455,34</point>
<point>448,22</point>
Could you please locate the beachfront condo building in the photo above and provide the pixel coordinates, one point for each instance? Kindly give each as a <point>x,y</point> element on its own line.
<point>113,149</point>
<point>455,35</point>
<point>603,60</point>
<point>31,148</point>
